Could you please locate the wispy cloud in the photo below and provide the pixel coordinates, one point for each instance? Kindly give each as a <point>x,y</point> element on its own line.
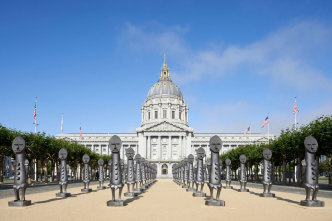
<point>282,55</point>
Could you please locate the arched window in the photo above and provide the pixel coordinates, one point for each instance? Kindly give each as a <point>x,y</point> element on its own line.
<point>164,169</point>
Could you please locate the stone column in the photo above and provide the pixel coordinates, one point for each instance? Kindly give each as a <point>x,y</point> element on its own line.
<point>170,147</point>
<point>148,155</point>
<point>160,147</point>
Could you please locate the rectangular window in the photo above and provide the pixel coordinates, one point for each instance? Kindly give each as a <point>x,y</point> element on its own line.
<point>156,115</point>
<point>180,113</point>
<point>149,115</point>
<point>164,113</point>
<point>173,114</point>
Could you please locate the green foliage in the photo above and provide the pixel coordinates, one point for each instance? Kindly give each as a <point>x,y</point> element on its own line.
<point>323,166</point>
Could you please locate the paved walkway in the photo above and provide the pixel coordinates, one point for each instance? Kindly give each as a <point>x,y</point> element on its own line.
<point>165,201</point>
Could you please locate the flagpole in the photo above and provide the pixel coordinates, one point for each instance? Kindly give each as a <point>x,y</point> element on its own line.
<point>295,117</point>
<point>61,123</point>
<point>268,130</point>
<point>36,115</point>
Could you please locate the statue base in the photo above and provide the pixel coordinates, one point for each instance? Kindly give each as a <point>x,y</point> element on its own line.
<point>19,203</point>
<point>312,203</point>
<point>101,187</point>
<point>189,189</point>
<point>86,190</point>
<point>185,186</point>
<point>137,190</point>
<point>228,187</point>
<point>243,190</point>
<point>199,194</point>
<point>130,194</point>
<point>62,194</point>
<point>267,195</point>
<point>214,202</point>
<point>116,203</point>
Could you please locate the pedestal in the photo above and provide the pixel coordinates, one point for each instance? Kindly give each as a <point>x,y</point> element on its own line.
<point>86,190</point>
<point>189,189</point>
<point>312,203</point>
<point>214,202</point>
<point>243,190</point>
<point>199,194</point>
<point>62,194</point>
<point>101,187</point>
<point>228,187</point>
<point>267,195</point>
<point>19,203</point>
<point>116,203</point>
<point>130,194</point>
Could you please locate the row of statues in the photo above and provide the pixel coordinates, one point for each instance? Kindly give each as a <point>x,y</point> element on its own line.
<point>185,174</point>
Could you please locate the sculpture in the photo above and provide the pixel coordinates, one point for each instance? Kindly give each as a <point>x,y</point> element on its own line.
<point>267,168</point>
<point>228,174</point>
<point>190,173</point>
<point>143,187</point>
<point>130,153</point>
<point>101,175</point>
<point>138,177</point>
<point>86,174</point>
<point>200,173</point>
<point>63,180</point>
<point>186,172</point>
<point>215,177</point>
<point>20,176</point>
<point>115,144</point>
<point>243,174</point>
<point>311,173</point>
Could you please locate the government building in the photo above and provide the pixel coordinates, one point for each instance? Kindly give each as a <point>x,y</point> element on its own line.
<point>164,137</point>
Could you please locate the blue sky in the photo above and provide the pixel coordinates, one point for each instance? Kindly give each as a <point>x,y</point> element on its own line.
<point>94,61</point>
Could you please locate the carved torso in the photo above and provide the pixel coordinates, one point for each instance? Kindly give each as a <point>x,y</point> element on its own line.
<point>86,177</point>
<point>228,173</point>
<point>311,171</point>
<point>191,172</point>
<point>243,173</point>
<point>101,173</point>
<point>20,172</point>
<point>267,171</point>
<point>63,172</point>
<point>130,172</point>
<point>143,171</point>
<point>215,178</point>
<point>116,175</point>
<point>200,172</point>
<point>138,177</point>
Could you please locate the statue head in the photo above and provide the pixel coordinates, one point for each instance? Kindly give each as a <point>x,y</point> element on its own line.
<point>190,158</point>
<point>115,144</point>
<point>311,144</point>
<point>18,145</point>
<point>100,162</point>
<point>220,162</point>
<point>243,158</point>
<point>267,154</point>
<point>215,144</point>
<point>228,162</point>
<point>63,154</point>
<point>86,158</point>
<point>200,153</point>
<point>130,153</point>
<point>138,157</point>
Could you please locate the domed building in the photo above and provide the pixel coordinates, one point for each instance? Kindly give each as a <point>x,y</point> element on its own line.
<point>164,137</point>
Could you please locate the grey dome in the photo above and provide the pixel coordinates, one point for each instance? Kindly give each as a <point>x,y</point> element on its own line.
<point>164,87</point>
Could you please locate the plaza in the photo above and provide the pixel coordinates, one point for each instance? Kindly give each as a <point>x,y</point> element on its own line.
<point>166,201</point>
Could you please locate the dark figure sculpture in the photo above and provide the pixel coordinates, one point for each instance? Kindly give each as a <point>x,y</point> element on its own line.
<point>311,173</point>
<point>130,153</point>
<point>200,173</point>
<point>267,168</point>
<point>101,175</point>
<point>190,173</point>
<point>115,144</point>
<point>63,180</point>
<point>20,176</point>
<point>215,177</point>
<point>109,165</point>
<point>86,174</point>
<point>228,174</point>
<point>243,174</point>
<point>143,180</point>
<point>138,177</point>
<point>186,173</point>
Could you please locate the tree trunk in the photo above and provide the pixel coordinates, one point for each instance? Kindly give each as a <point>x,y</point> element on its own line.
<point>1,168</point>
<point>279,172</point>
<point>256,173</point>
<point>284,172</point>
<point>299,172</point>
<point>330,170</point>
<point>46,171</point>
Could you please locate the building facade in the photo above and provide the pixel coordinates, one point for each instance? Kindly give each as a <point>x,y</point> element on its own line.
<point>164,137</point>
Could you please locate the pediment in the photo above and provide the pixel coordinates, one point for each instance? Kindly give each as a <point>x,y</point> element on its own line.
<point>165,126</point>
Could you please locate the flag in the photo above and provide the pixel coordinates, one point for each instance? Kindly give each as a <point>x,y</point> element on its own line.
<point>247,130</point>
<point>266,121</point>
<point>295,110</point>
<point>80,131</point>
<point>35,111</point>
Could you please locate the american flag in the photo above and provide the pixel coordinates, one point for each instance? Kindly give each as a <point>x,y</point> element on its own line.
<point>295,110</point>
<point>266,121</point>
<point>247,130</point>
<point>35,111</point>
